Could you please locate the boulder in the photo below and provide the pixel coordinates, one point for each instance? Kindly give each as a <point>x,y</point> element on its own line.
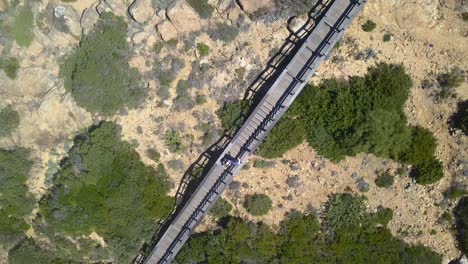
<point>183,17</point>
<point>141,10</point>
<point>250,6</point>
<point>296,23</point>
<point>139,37</point>
<point>167,30</point>
<point>224,5</point>
<point>67,20</point>
<point>89,18</point>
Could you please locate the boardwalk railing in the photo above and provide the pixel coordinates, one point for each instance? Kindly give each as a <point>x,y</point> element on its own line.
<point>315,49</point>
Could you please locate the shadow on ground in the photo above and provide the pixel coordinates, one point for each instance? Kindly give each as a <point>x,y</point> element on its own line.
<point>254,94</point>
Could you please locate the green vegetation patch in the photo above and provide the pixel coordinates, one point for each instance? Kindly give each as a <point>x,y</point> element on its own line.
<point>173,141</point>
<point>384,180</point>
<point>104,187</point>
<point>257,204</point>
<point>232,114</point>
<point>453,78</point>
<point>202,7</point>
<point>9,121</point>
<point>300,239</point>
<point>10,66</point>
<point>16,203</point>
<point>459,120</point>
<point>97,74</point>
<point>369,26</point>
<point>222,208</point>
<point>461,222</point>
<point>23,27</point>
<point>203,49</point>
<point>364,114</point>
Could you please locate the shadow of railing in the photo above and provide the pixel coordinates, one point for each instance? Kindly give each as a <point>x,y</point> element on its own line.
<point>254,93</point>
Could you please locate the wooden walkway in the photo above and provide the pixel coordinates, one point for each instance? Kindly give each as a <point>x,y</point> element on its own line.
<point>315,49</point>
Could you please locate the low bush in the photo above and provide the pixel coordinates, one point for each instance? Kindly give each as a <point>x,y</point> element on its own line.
<point>232,114</point>
<point>203,49</point>
<point>257,204</point>
<point>299,239</point>
<point>345,211</point>
<point>104,187</point>
<point>464,16</point>
<point>224,32</point>
<point>387,37</point>
<point>455,193</point>
<point>222,208</point>
<point>240,73</point>
<point>173,141</point>
<point>461,222</point>
<point>369,26</point>
<point>200,99</point>
<point>451,79</point>
<point>384,180</point>
<point>459,120</point>
<point>364,114</point>
<point>382,217</point>
<point>202,7</point>
<point>263,164</point>
<point>16,203</point>
<point>10,66</point>
<point>287,134</point>
<point>153,154</point>
<point>98,75</point>
<point>23,26</point>
<point>9,121</point>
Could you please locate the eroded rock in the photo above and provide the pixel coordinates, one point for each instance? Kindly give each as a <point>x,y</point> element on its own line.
<point>141,10</point>
<point>183,17</point>
<point>67,20</point>
<point>167,30</point>
<point>250,6</point>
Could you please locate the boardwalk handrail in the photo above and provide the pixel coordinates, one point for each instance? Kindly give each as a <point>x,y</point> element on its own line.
<point>260,122</point>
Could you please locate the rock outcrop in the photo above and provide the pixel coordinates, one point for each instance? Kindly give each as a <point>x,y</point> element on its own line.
<point>67,20</point>
<point>183,17</point>
<point>141,10</point>
<point>250,6</point>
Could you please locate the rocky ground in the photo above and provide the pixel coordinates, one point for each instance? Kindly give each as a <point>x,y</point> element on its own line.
<point>428,37</point>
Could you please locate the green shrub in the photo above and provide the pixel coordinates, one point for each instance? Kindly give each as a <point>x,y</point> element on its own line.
<point>9,120</point>
<point>364,114</point>
<point>232,114</point>
<point>299,239</point>
<point>104,187</point>
<point>202,7</point>
<point>464,16</point>
<point>200,99</point>
<point>10,66</point>
<point>369,26</point>
<point>263,164</point>
<point>173,141</point>
<point>384,180</point>
<point>451,79</point>
<point>172,42</point>
<point>97,74</point>
<point>23,27</point>
<point>203,49</point>
<point>387,37</point>
<point>383,216</point>
<point>459,120</point>
<point>153,154</point>
<point>240,73</point>
<point>224,32</point>
<point>221,209</point>
<point>257,204</point>
<point>461,222</point>
<point>455,193</point>
<point>345,211</point>
<point>158,47</point>
<point>16,203</point>
<point>287,134</point>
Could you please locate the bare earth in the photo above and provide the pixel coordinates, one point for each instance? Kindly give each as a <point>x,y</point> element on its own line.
<point>427,38</point>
